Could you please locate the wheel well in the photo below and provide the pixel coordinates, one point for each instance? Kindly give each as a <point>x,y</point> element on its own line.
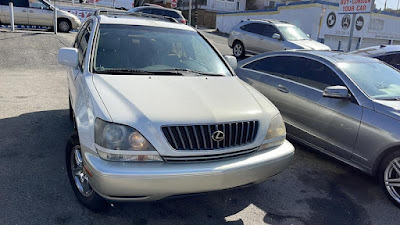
<point>381,157</point>
<point>64,19</point>
<point>236,41</point>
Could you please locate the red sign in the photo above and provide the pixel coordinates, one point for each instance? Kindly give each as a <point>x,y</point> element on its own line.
<point>174,3</point>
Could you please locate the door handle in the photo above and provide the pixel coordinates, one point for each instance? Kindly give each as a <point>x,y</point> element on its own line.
<point>24,10</point>
<point>282,88</point>
<point>31,11</point>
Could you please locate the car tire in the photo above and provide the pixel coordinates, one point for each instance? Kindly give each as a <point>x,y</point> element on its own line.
<point>63,25</point>
<point>238,49</point>
<point>78,177</point>
<point>390,169</point>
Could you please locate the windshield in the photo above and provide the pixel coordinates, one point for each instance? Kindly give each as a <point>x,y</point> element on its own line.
<point>377,80</point>
<point>293,33</point>
<point>150,49</point>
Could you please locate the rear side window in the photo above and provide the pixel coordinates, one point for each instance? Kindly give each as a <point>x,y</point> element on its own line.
<point>299,69</point>
<point>157,11</point>
<point>392,59</point>
<point>171,14</point>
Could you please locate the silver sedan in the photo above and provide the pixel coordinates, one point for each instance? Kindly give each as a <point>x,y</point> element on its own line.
<point>344,105</point>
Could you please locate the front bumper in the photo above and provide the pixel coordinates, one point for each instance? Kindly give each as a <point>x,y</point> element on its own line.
<point>130,181</point>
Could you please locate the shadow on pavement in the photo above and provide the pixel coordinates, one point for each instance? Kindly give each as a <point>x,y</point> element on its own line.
<point>35,188</point>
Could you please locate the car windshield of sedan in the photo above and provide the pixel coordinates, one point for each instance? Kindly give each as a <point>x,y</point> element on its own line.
<point>293,33</point>
<point>138,50</point>
<point>377,80</point>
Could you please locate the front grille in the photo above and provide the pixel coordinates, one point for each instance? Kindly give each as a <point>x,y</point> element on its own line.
<point>199,137</point>
<point>201,158</point>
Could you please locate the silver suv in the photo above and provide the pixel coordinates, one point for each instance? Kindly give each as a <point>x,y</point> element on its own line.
<point>258,36</point>
<point>155,117</point>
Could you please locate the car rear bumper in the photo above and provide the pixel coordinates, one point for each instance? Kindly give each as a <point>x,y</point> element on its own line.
<point>119,181</point>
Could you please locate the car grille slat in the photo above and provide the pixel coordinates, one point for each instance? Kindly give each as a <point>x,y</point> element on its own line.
<point>196,136</point>
<point>200,137</point>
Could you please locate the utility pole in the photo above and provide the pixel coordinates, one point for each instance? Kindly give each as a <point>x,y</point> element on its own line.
<point>190,12</point>
<point>55,17</point>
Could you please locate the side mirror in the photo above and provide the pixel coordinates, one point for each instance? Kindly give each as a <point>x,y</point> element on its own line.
<point>68,57</point>
<point>276,36</point>
<point>308,35</point>
<point>336,92</point>
<point>232,61</point>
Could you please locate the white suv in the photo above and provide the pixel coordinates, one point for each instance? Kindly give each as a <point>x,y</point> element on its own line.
<point>159,112</point>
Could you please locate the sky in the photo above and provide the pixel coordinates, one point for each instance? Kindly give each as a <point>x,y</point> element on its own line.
<point>390,4</point>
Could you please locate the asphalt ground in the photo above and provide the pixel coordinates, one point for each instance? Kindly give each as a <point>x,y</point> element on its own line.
<point>34,188</point>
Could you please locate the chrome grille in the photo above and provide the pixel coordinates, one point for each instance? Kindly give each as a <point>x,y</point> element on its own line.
<point>199,137</point>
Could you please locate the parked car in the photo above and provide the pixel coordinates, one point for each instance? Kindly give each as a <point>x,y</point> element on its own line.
<point>344,105</point>
<point>157,10</point>
<point>37,13</point>
<point>156,117</point>
<point>389,54</point>
<point>258,36</point>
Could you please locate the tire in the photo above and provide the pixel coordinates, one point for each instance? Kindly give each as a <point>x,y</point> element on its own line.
<point>238,49</point>
<point>85,194</point>
<point>63,25</point>
<point>390,169</point>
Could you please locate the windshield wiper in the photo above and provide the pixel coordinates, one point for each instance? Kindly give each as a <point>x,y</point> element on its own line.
<point>187,71</point>
<point>124,72</point>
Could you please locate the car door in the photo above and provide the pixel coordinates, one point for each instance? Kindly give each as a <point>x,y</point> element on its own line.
<point>75,74</point>
<point>250,36</point>
<point>20,11</point>
<point>266,43</point>
<point>40,13</point>
<point>296,87</point>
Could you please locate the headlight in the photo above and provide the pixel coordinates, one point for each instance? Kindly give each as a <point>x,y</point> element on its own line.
<point>118,142</point>
<point>276,133</point>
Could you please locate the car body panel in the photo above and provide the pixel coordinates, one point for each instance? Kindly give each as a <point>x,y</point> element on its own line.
<point>256,43</point>
<point>364,128</point>
<point>153,181</point>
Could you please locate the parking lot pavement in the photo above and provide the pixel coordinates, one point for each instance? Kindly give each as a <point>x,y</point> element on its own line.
<point>34,187</point>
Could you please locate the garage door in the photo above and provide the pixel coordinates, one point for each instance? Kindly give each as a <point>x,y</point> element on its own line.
<point>368,42</point>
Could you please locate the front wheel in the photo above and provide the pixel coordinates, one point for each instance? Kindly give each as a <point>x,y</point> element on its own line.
<point>389,176</point>
<point>238,50</point>
<point>79,179</point>
<point>63,25</point>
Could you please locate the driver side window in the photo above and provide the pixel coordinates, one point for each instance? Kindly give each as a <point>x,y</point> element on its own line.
<point>37,4</point>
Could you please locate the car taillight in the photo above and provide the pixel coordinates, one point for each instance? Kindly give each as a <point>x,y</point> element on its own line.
<point>182,21</point>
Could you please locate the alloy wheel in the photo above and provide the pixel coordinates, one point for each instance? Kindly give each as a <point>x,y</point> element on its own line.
<point>237,50</point>
<point>392,179</point>
<point>78,172</point>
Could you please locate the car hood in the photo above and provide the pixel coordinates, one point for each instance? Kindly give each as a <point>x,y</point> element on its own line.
<point>310,45</point>
<point>163,100</point>
<point>389,108</point>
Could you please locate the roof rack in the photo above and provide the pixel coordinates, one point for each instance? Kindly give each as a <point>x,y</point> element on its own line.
<point>138,14</point>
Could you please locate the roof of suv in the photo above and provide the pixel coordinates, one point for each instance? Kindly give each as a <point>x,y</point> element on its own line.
<point>377,50</point>
<point>269,21</point>
<point>127,19</point>
<point>157,7</point>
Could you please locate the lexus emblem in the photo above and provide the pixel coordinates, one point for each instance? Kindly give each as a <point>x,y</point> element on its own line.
<point>218,135</point>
